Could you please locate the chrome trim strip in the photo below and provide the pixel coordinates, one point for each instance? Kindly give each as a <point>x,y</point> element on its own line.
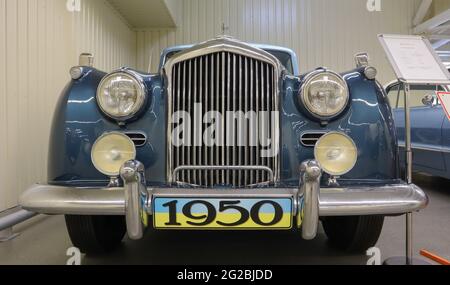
<point>228,108</point>
<point>276,127</point>
<point>246,109</point>
<point>385,200</point>
<point>217,101</point>
<point>184,106</point>
<point>234,149</point>
<point>427,148</point>
<point>202,97</point>
<point>240,120</point>
<point>205,154</point>
<point>211,106</point>
<point>194,149</point>
<point>178,94</point>
<point>266,106</point>
<point>222,111</point>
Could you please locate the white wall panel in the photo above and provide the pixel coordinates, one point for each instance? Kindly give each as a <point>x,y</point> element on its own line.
<point>39,41</point>
<point>440,5</point>
<point>322,32</point>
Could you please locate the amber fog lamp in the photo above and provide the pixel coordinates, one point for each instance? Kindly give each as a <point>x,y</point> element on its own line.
<point>111,151</point>
<point>336,153</point>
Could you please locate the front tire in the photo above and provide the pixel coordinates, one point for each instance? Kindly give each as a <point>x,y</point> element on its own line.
<point>353,234</point>
<point>96,234</point>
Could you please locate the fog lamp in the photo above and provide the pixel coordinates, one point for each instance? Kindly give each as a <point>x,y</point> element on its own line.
<point>111,151</point>
<point>336,153</point>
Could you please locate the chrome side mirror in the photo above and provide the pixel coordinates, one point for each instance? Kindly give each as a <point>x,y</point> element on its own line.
<point>362,59</point>
<point>86,59</point>
<point>428,100</point>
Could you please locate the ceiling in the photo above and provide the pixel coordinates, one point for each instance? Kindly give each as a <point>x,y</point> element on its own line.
<point>146,13</point>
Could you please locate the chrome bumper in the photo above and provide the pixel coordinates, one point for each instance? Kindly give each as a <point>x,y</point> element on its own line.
<point>310,202</point>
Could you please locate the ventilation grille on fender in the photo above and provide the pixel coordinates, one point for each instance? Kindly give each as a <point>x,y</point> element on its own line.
<point>139,139</point>
<point>310,139</point>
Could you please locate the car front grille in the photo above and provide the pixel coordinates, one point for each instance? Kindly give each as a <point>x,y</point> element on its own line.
<point>223,82</point>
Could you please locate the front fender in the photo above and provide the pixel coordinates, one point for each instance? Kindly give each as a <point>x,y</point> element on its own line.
<point>368,120</point>
<point>78,122</point>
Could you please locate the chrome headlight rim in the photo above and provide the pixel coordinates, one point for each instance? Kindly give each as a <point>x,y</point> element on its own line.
<point>139,80</point>
<point>106,134</point>
<point>337,174</point>
<point>307,105</point>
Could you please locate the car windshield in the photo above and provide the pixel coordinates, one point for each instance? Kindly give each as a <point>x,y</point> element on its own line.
<point>284,57</point>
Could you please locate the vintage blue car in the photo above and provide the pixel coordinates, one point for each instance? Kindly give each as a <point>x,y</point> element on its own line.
<point>430,128</point>
<point>226,136</point>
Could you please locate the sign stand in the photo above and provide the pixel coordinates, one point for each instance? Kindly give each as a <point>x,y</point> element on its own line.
<point>414,62</point>
<point>408,259</point>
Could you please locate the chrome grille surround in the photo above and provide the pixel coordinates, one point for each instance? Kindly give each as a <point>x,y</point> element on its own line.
<point>224,167</point>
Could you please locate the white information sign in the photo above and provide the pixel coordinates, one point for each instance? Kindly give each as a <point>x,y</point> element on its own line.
<point>414,60</point>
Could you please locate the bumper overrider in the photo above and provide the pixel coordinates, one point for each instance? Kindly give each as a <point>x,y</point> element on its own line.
<point>310,202</point>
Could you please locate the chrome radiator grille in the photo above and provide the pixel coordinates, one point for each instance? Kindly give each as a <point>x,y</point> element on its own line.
<point>223,82</point>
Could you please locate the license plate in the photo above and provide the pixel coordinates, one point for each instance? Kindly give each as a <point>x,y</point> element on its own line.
<point>216,213</point>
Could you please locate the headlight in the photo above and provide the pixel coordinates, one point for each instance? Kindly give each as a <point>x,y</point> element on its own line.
<point>111,151</point>
<point>324,94</point>
<point>336,153</point>
<point>121,95</point>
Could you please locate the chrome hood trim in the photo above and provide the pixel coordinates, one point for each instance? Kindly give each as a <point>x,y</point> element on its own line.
<point>227,44</point>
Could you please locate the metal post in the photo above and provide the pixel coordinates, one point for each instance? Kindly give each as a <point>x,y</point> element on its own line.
<point>408,149</point>
<point>409,247</point>
<point>408,259</point>
<point>7,223</point>
<point>15,218</point>
<point>409,164</point>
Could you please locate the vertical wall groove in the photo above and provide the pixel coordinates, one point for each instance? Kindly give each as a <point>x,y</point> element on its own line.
<point>322,32</point>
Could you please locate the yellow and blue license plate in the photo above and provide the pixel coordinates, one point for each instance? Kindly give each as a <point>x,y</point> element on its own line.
<point>217,213</point>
